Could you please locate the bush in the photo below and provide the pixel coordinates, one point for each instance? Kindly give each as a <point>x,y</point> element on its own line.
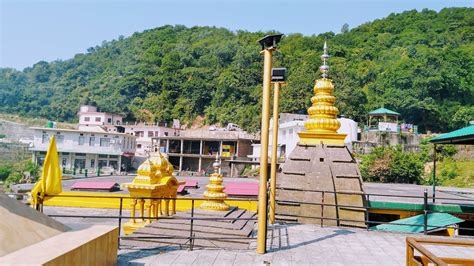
<point>5,171</point>
<point>392,165</point>
<point>16,176</point>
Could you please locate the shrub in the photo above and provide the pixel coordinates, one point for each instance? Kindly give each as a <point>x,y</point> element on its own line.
<point>392,165</point>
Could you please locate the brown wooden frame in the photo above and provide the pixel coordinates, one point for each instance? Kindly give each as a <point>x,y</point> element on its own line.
<point>428,257</point>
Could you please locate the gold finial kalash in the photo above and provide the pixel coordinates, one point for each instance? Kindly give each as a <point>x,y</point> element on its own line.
<point>322,125</point>
<point>215,194</point>
<point>154,180</point>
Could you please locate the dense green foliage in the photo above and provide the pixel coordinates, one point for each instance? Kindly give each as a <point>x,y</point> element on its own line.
<point>14,173</point>
<point>391,165</point>
<point>417,63</point>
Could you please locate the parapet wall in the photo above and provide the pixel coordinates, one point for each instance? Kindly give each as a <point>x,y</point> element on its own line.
<point>96,245</point>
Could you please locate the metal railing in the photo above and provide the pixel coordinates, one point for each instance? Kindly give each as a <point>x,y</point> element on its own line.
<point>427,208</point>
<point>190,239</point>
<point>424,202</point>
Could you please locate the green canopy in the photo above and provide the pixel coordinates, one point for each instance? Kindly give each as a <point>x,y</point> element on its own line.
<point>415,224</point>
<point>383,111</point>
<point>461,136</point>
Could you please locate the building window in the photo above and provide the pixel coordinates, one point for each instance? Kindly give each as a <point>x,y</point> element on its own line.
<point>104,142</point>
<point>80,163</point>
<point>80,154</point>
<point>150,134</point>
<point>97,119</point>
<point>59,138</point>
<point>87,119</point>
<point>92,141</point>
<point>157,133</point>
<point>102,163</point>
<point>81,139</point>
<point>44,138</point>
<point>92,163</point>
<point>139,133</point>
<point>103,156</point>
<point>113,156</point>
<point>139,146</point>
<point>64,162</point>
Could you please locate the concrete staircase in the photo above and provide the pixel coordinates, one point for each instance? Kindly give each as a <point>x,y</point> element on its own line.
<point>233,234</point>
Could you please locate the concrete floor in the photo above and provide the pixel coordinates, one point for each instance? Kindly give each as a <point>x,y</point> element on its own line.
<point>298,245</point>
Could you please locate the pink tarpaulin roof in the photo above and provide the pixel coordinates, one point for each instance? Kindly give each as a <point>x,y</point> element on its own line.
<point>241,188</point>
<point>93,185</point>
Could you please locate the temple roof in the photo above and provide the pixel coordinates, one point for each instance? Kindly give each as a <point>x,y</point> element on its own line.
<point>383,111</point>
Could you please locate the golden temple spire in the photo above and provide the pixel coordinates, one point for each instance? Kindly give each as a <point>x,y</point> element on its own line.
<point>322,125</point>
<point>215,194</point>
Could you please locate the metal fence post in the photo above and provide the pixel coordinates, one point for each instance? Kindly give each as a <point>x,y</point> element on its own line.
<point>120,220</point>
<point>322,208</point>
<point>191,237</point>
<point>425,212</point>
<point>367,218</point>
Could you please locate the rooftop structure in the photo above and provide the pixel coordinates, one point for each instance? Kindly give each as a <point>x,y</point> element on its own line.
<point>89,116</point>
<point>461,136</point>
<point>195,150</point>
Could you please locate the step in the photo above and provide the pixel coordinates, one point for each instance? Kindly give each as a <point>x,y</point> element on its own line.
<point>164,232</point>
<point>197,228</point>
<point>203,243</point>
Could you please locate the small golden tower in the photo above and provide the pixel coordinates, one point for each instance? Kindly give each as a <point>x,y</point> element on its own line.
<point>322,125</point>
<point>215,194</point>
<point>154,180</point>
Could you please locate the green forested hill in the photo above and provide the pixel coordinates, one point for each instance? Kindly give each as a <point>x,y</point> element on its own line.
<point>420,64</point>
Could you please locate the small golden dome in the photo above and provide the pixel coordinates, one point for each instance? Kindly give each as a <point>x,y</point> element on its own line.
<point>163,166</point>
<point>147,168</point>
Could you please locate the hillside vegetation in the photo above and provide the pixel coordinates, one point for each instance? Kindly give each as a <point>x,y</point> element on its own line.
<point>417,63</point>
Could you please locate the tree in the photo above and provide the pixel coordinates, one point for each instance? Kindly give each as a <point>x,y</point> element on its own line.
<point>345,28</point>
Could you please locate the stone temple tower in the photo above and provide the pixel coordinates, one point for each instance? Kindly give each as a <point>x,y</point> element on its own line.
<point>321,162</point>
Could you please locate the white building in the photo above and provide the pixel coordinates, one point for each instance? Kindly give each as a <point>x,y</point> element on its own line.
<point>288,127</point>
<point>80,149</point>
<point>144,133</point>
<point>89,116</point>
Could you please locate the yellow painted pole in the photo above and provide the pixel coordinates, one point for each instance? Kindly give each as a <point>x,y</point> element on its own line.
<point>276,103</point>
<point>262,191</point>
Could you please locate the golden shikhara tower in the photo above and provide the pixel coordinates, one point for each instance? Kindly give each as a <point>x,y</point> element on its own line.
<point>322,125</point>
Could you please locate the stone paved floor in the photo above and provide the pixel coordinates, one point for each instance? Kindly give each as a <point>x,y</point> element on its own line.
<point>290,245</point>
<point>287,245</point>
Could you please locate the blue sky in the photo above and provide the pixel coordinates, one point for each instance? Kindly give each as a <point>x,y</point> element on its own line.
<point>31,31</point>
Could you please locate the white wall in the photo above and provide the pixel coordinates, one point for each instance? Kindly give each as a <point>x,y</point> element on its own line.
<point>288,134</point>
<point>69,141</point>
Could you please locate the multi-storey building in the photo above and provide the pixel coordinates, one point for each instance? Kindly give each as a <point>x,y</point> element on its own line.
<point>195,150</point>
<point>81,149</point>
<point>144,134</point>
<point>89,116</point>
